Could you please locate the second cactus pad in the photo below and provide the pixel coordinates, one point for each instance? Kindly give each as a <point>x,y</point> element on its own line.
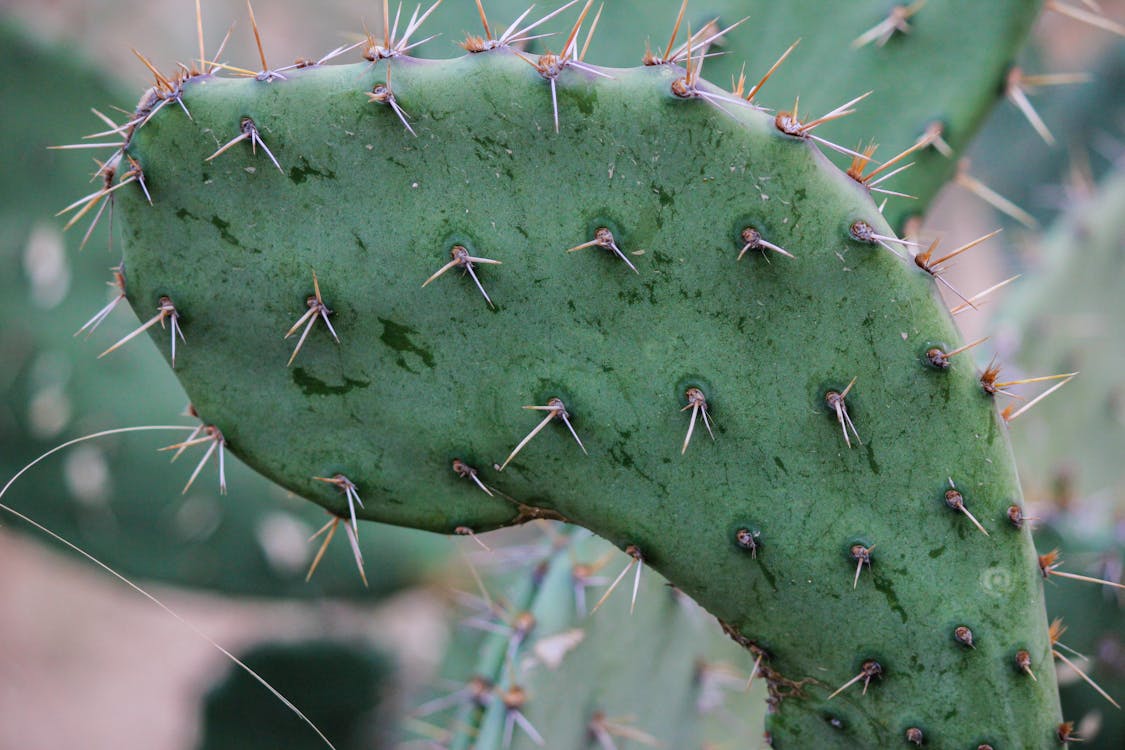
<point>667,258</point>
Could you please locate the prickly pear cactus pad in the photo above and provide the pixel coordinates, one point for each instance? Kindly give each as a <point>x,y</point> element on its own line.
<point>725,357</point>
<point>928,63</point>
<point>122,499</point>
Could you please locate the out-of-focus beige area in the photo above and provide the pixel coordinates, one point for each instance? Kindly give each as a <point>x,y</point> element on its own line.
<point>87,663</point>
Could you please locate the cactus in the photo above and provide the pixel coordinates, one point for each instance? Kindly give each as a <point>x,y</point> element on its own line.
<point>615,690</point>
<point>808,374</point>
<point>109,494</point>
<point>933,67</point>
<point>460,157</point>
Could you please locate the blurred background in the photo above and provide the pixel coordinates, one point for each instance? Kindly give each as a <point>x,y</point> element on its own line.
<point>88,663</point>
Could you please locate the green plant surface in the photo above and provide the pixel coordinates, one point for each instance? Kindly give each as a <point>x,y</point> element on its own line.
<point>423,376</point>
<point>119,498</point>
<point>949,67</point>
<point>662,674</point>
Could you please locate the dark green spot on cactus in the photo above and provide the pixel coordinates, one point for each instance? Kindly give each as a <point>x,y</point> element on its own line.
<point>622,458</point>
<point>871,462</point>
<point>630,297</point>
<point>884,586</point>
<point>299,174</point>
<point>359,243</point>
<point>767,573</point>
<point>586,99</point>
<point>224,231</point>
<point>397,337</point>
<point>311,385</point>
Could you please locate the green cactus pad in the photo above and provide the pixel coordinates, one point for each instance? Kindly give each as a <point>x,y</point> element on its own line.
<point>947,67</point>
<point>423,376</point>
<point>118,497</point>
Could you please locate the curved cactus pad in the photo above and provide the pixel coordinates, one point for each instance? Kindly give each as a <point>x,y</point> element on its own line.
<point>652,324</point>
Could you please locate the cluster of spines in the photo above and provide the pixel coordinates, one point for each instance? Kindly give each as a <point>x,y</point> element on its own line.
<point>170,90</point>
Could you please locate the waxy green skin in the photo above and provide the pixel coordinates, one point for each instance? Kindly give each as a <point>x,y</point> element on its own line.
<point>949,68</point>
<point>135,518</point>
<point>423,376</point>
